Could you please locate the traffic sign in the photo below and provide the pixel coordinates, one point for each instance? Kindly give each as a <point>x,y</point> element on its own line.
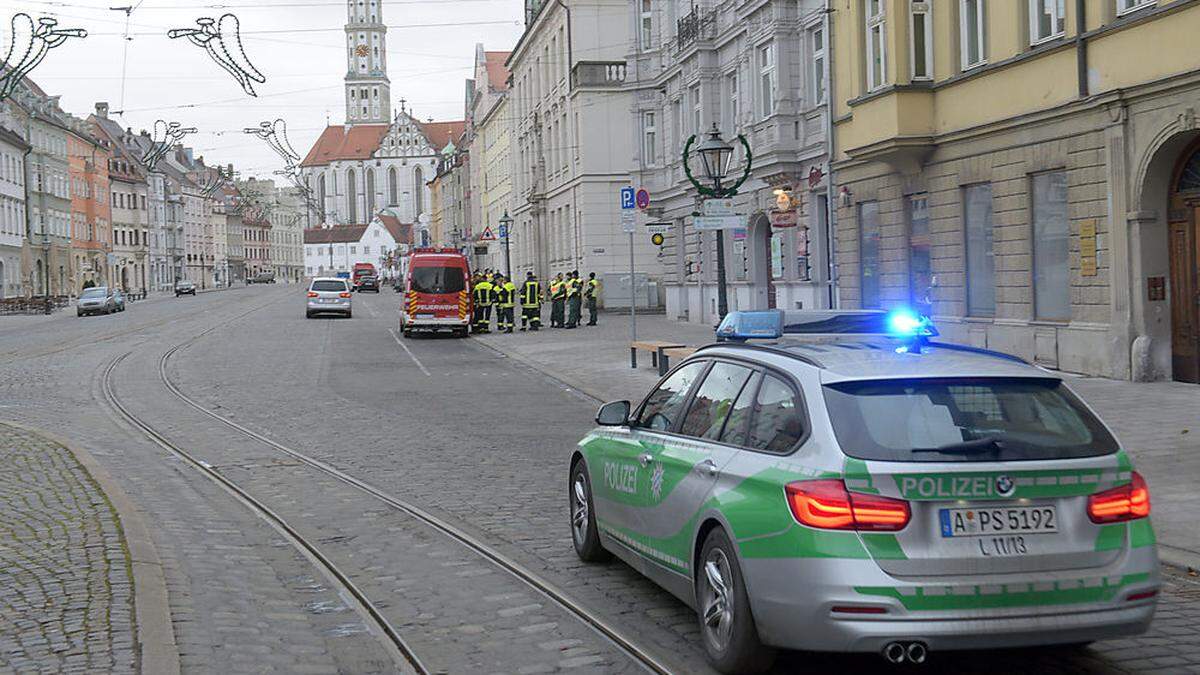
<point>720,222</point>
<point>628,201</point>
<point>628,222</point>
<point>487,234</point>
<point>642,199</point>
<point>657,239</point>
<point>658,228</point>
<point>718,207</point>
<point>503,232</point>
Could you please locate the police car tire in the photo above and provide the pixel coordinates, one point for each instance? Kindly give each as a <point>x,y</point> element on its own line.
<point>745,652</point>
<point>590,549</point>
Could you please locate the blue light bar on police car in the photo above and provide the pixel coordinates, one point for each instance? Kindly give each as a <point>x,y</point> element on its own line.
<point>905,323</point>
<point>758,325</point>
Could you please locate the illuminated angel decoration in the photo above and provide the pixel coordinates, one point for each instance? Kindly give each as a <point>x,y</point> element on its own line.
<point>215,180</point>
<point>166,136</point>
<point>275,134</point>
<point>28,45</point>
<point>222,40</point>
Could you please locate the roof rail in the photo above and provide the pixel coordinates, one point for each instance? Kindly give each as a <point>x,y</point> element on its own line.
<point>762,348</point>
<point>976,350</point>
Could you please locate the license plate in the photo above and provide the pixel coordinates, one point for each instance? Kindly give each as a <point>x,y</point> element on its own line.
<point>1003,520</point>
<point>424,316</point>
<point>328,300</point>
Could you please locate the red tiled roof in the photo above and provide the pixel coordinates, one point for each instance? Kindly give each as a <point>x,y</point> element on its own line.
<point>341,143</point>
<point>401,232</point>
<point>496,70</point>
<point>441,134</point>
<point>338,234</point>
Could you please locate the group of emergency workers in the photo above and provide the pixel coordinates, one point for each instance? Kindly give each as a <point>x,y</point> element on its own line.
<point>566,295</point>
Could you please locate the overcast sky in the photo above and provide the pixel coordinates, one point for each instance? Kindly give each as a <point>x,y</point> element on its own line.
<point>302,57</point>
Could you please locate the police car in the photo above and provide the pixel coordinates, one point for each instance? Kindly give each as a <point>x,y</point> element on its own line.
<point>840,481</point>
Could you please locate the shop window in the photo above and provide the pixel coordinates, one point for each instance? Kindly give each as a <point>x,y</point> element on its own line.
<point>981,263</point>
<point>870,233</point>
<point>920,270</point>
<point>1051,234</point>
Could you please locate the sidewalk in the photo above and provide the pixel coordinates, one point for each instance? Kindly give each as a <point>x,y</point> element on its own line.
<point>1158,423</point>
<point>80,582</point>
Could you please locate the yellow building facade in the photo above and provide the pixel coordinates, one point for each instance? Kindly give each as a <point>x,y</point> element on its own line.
<point>1026,171</point>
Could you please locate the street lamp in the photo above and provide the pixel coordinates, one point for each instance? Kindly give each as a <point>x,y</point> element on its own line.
<point>506,232</point>
<point>716,156</point>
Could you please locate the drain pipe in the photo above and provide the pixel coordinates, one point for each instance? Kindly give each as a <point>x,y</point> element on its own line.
<point>830,193</point>
<point>1081,55</point>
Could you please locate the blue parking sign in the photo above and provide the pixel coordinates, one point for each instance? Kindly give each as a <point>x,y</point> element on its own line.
<point>627,198</point>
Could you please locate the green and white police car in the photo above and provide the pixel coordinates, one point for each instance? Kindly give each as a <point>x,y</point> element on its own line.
<point>849,484</point>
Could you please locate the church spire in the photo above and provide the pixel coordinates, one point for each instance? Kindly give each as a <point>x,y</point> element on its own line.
<point>368,90</point>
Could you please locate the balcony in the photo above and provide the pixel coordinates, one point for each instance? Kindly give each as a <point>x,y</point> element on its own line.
<point>598,74</point>
<point>699,25</point>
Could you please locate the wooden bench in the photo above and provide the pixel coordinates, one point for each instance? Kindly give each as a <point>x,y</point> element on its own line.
<point>655,348</point>
<point>664,360</point>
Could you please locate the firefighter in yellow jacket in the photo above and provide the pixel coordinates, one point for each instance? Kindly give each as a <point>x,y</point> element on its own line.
<point>506,300</point>
<point>558,301</point>
<point>574,300</point>
<point>482,293</point>
<point>531,303</point>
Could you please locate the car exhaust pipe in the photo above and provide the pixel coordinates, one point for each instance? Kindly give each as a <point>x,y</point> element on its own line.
<point>916,653</point>
<point>894,652</point>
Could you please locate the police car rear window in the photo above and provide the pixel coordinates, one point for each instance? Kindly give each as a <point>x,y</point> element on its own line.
<point>963,420</point>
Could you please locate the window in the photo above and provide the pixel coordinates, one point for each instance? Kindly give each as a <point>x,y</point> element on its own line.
<point>777,424</point>
<point>352,195</point>
<point>647,33</point>
<point>666,403</point>
<point>981,266</point>
<point>1133,5</point>
<point>370,193</point>
<point>767,79</point>
<point>876,45</point>
<point>679,130</point>
<point>1051,232</point>
<point>393,190</point>
<point>971,33</point>
<point>1047,20</point>
<point>697,109</point>
<point>354,250</point>
<point>731,88</point>
<point>816,38</point>
<point>920,270</point>
<point>710,407</point>
<point>437,280</point>
<point>418,192</point>
<point>870,233</point>
<point>976,420</point>
<point>922,42</point>
<point>649,136</point>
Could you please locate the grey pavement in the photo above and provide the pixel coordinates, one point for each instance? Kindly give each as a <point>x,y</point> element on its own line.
<point>66,588</point>
<point>1158,423</point>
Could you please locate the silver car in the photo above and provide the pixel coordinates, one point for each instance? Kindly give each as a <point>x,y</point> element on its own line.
<point>869,493</point>
<point>96,300</point>
<point>329,295</point>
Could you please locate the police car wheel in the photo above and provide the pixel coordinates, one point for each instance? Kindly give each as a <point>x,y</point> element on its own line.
<point>583,517</point>
<point>726,624</point>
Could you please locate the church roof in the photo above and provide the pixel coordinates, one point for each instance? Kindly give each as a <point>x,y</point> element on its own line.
<point>401,232</point>
<point>360,141</point>
<point>497,72</point>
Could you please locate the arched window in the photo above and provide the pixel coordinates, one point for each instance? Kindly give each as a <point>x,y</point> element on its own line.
<point>352,196</point>
<point>370,193</point>
<point>418,192</point>
<point>393,188</point>
<point>1189,177</point>
<point>323,195</point>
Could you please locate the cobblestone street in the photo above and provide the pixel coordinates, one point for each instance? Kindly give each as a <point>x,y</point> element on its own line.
<point>65,583</point>
<point>445,424</point>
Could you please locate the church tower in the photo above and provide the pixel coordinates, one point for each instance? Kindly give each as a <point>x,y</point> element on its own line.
<point>368,91</point>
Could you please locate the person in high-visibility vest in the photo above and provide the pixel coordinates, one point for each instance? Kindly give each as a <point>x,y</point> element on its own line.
<point>506,297</point>
<point>531,303</point>
<point>590,290</point>
<point>574,300</point>
<point>482,291</point>
<point>558,300</point>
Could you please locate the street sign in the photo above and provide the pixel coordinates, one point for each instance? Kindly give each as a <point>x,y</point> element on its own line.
<point>628,222</point>
<point>642,199</point>
<point>657,239</point>
<point>628,200</point>
<point>111,259</point>
<point>503,232</point>
<point>718,207</point>
<point>487,234</point>
<point>658,228</point>
<point>720,222</point>
<point>781,219</point>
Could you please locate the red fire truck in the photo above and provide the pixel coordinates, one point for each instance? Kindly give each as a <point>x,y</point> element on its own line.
<point>437,297</point>
<point>362,270</point>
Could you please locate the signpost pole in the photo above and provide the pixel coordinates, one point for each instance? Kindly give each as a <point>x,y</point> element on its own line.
<point>722,290</point>
<point>632,295</point>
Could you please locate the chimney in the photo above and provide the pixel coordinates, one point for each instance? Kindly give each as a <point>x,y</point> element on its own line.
<point>102,110</point>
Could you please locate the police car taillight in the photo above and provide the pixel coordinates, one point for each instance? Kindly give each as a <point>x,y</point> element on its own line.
<point>1127,502</point>
<point>828,505</point>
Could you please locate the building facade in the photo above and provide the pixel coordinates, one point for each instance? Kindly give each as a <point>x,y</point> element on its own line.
<point>571,147</point>
<point>490,146</point>
<point>1058,221</point>
<point>91,215</point>
<point>330,250</point>
<point>127,201</point>
<point>13,149</point>
<point>755,70</point>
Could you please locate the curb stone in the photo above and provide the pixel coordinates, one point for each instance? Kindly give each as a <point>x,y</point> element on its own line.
<point>155,631</point>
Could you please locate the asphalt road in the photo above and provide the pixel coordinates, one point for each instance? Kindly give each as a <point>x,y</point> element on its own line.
<point>447,424</point>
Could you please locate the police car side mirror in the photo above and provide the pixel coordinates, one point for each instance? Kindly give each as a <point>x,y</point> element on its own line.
<point>615,414</point>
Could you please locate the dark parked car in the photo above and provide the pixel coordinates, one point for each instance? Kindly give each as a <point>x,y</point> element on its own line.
<point>368,284</point>
<point>184,287</point>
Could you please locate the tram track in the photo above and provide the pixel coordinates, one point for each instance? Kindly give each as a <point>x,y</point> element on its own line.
<point>505,563</point>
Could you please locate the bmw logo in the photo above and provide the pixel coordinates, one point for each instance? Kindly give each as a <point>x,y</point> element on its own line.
<point>1005,486</point>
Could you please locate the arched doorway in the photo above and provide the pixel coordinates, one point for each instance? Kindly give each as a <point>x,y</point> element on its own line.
<point>124,278</point>
<point>765,260</point>
<point>41,280</point>
<point>1183,252</point>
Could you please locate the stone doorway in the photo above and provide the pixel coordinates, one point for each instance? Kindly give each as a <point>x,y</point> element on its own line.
<point>1183,246</point>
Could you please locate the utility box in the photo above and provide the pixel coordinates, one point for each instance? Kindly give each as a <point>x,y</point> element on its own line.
<point>614,293</point>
